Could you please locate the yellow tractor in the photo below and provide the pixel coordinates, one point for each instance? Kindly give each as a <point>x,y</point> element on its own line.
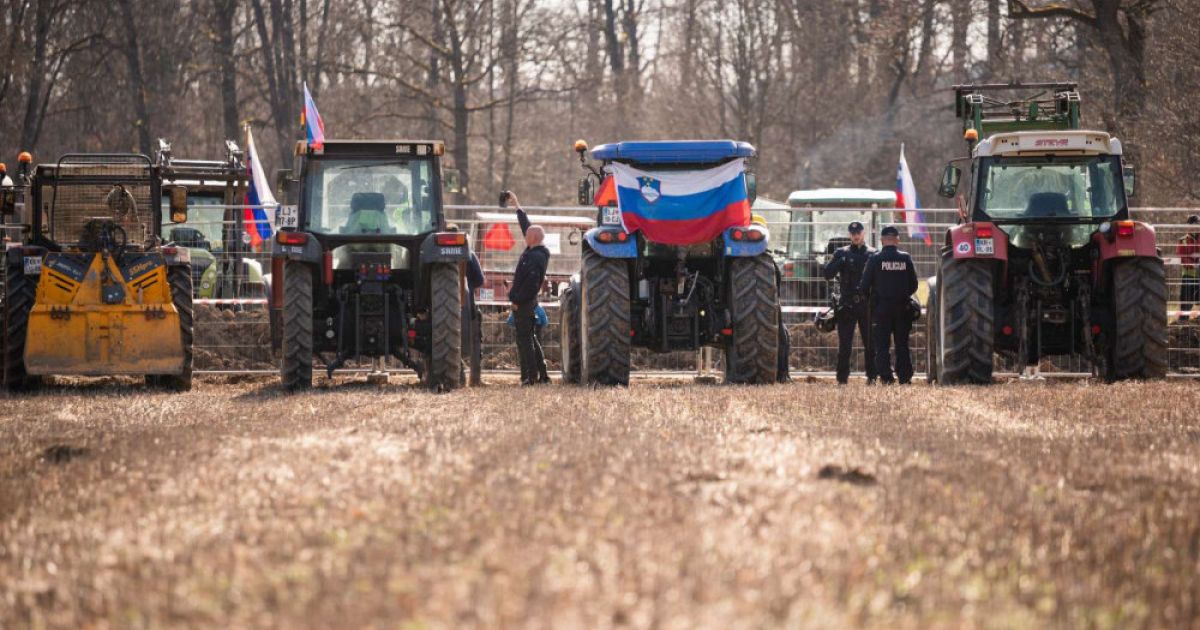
<point>92,290</point>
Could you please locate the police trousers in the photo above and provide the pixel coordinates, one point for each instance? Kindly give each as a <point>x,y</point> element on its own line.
<point>892,322</point>
<point>849,320</point>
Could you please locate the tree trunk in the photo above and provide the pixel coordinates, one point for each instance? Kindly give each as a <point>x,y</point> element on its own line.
<point>224,12</point>
<point>133,60</point>
<point>32,124</point>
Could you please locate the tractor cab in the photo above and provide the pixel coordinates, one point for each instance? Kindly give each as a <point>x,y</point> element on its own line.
<point>819,220</point>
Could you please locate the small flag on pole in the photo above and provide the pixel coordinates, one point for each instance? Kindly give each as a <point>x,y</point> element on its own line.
<point>260,203</point>
<point>906,199</point>
<point>310,119</point>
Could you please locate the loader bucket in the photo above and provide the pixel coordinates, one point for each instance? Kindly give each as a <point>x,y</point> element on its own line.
<point>74,330</point>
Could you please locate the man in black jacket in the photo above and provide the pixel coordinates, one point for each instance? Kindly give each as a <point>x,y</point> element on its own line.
<point>847,265</point>
<point>523,293</point>
<point>890,279</point>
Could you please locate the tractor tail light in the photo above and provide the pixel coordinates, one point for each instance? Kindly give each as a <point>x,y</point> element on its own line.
<point>983,232</point>
<point>1125,229</point>
<point>451,239</point>
<point>293,238</point>
<point>1007,330</point>
<point>1095,329</point>
<point>738,235</point>
<point>728,332</point>
<point>169,251</point>
<point>755,235</point>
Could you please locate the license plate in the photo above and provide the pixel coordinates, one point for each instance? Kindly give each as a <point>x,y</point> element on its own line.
<point>487,295</point>
<point>33,265</point>
<point>287,216</point>
<point>985,246</point>
<point>612,216</point>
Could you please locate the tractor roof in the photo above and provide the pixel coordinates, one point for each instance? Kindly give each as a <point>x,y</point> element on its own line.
<point>842,197</point>
<point>398,148</point>
<point>1065,142</point>
<point>674,151</point>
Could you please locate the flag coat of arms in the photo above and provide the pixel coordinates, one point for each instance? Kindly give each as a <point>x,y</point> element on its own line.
<point>685,207</point>
<point>260,203</point>
<point>906,199</point>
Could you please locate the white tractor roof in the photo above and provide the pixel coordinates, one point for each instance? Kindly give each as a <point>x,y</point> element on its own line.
<point>855,197</point>
<point>1065,142</point>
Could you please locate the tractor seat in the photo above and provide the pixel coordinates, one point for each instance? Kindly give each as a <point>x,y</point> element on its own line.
<point>367,215</point>
<point>189,237</point>
<point>1047,205</point>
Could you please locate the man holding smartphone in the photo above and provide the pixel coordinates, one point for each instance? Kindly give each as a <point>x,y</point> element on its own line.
<point>523,293</point>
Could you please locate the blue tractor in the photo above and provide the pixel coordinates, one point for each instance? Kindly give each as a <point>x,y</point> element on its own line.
<point>634,292</point>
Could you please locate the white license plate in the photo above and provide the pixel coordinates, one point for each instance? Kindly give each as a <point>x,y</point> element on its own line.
<point>487,295</point>
<point>33,265</point>
<point>985,246</point>
<point>287,216</point>
<point>612,216</point>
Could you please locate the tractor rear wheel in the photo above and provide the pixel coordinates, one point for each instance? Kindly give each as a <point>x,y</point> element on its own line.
<point>444,367</point>
<point>752,354</point>
<point>568,331</point>
<point>19,294</point>
<point>966,321</point>
<point>1139,347</point>
<point>180,279</point>
<point>295,369</point>
<point>604,320</point>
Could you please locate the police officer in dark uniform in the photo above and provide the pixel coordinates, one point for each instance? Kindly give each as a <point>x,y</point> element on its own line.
<point>847,265</point>
<point>890,279</point>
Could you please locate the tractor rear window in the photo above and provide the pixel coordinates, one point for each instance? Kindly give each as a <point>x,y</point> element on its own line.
<point>1051,187</point>
<point>357,197</point>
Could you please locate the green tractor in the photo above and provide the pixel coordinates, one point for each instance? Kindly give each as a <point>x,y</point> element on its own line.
<point>1045,260</point>
<point>223,262</point>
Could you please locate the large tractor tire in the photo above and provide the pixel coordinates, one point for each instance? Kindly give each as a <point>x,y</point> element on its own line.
<point>1139,346</point>
<point>295,368</point>
<point>444,365</point>
<point>752,354</point>
<point>604,315</point>
<point>19,294</point>
<point>180,279</point>
<point>932,315</point>
<point>568,331</point>
<point>965,327</point>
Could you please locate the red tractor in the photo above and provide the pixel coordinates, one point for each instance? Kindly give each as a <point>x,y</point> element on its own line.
<point>1045,260</point>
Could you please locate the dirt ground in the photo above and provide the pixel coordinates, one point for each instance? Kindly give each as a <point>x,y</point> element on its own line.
<point>663,505</point>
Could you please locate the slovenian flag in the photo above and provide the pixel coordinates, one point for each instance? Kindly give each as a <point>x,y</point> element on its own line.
<point>260,203</point>
<point>310,119</point>
<point>906,199</point>
<point>684,207</point>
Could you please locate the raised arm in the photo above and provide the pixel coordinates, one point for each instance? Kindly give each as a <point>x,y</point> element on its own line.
<point>834,266</point>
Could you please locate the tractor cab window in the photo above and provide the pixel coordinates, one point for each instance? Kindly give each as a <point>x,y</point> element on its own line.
<point>369,197</point>
<point>206,218</point>
<point>1050,187</point>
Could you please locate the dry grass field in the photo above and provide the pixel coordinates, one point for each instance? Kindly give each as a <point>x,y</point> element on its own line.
<point>672,506</point>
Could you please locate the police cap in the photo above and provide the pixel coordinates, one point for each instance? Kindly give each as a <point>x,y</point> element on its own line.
<point>890,231</point>
<point>855,227</point>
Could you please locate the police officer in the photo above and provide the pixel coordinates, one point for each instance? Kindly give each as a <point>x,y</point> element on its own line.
<point>890,279</point>
<point>523,294</point>
<point>847,265</point>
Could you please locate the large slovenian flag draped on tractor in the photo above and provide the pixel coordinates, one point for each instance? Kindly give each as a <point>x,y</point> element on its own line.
<point>906,199</point>
<point>260,203</point>
<point>682,208</point>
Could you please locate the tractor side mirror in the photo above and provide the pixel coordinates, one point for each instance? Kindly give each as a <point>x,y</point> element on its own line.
<point>751,186</point>
<point>179,207</point>
<point>950,179</point>
<point>587,191</point>
<point>1130,181</point>
<point>451,180</point>
<point>8,201</point>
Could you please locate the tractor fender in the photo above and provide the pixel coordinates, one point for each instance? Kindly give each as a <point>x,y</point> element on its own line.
<point>628,249</point>
<point>1113,245</point>
<point>431,252</point>
<point>961,239</point>
<point>745,249</point>
<point>310,252</point>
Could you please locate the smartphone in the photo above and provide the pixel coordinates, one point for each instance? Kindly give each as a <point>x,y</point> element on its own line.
<point>504,199</point>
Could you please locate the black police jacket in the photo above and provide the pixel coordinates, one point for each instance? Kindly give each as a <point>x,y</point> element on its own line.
<point>529,275</point>
<point>890,277</point>
<point>847,264</point>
